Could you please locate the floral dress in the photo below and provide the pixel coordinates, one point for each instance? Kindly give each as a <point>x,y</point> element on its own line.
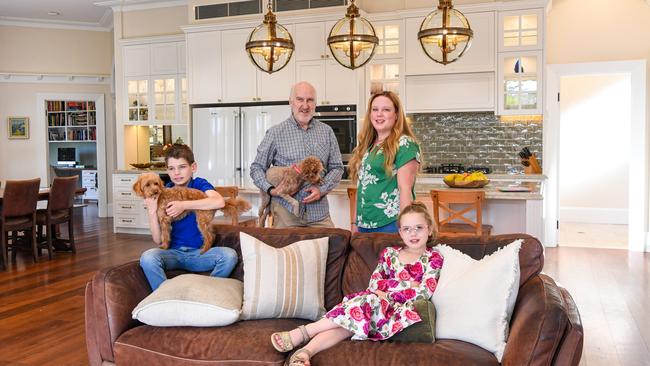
<point>370,317</point>
<point>378,197</point>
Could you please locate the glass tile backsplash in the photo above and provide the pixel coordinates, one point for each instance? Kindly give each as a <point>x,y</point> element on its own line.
<point>476,139</point>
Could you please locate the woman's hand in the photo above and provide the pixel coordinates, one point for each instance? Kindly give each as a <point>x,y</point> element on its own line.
<point>354,228</point>
<point>175,208</point>
<point>151,204</point>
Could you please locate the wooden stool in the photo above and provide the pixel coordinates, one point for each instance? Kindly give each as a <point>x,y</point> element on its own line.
<point>442,199</point>
<point>233,192</point>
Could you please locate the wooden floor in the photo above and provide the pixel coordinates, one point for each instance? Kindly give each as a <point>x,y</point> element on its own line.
<point>42,304</point>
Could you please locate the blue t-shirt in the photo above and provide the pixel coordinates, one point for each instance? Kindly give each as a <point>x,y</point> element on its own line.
<point>185,232</point>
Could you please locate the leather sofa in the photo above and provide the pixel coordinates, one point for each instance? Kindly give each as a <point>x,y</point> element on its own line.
<point>545,328</point>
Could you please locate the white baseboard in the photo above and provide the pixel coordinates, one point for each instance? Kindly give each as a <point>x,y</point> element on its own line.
<point>614,216</point>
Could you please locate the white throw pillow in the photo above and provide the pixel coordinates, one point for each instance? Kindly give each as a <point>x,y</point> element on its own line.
<point>284,282</point>
<point>474,299</point>
<point>192,300</point>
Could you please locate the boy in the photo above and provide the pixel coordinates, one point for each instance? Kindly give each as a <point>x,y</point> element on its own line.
<point>186,239</point>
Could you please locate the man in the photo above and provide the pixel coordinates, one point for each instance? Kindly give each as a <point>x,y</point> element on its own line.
<point>297,137</point>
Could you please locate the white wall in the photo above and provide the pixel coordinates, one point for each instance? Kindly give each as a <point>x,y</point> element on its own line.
<point>594,148</point>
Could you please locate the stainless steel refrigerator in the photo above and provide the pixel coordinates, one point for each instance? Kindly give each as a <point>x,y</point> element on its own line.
<point>225,139</point>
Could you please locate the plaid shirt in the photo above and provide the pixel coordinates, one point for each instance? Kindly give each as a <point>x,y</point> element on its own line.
<point>288,143</point>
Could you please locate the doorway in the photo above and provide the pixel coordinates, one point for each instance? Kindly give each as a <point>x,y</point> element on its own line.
<point>588,151</point>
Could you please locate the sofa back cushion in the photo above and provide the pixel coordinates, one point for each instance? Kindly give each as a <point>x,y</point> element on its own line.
<point>365,249</point>
<point>339,243</point>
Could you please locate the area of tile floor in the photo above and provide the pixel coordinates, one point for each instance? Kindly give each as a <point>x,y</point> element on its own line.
<point>604,236</point>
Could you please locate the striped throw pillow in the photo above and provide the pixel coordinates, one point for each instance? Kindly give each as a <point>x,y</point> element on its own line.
<point>283,282</point>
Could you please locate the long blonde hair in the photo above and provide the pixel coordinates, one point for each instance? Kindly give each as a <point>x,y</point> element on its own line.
<point>368,135</point>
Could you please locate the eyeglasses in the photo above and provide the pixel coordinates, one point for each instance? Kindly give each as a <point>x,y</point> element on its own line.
<point>412,229</point>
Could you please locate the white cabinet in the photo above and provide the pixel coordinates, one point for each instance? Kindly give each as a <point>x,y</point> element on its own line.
<point>478,58</point>
<point>311,41</point>
<point>521,30</point>
<point>164,58</point>
<point>204,67</point>
<point>334,83</point>
<point>137,60</point>
<point>384,75</point>
<point>391,39</point>
<point>89,181</point>
<point>129,213</point>
<point>450,92</point>
<point>520,83</point>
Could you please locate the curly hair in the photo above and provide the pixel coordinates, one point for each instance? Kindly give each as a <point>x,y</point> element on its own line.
<point>179,151</point>
<point>368,135</point>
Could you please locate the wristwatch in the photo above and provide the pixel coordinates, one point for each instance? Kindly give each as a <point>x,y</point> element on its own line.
<point>269,190</point>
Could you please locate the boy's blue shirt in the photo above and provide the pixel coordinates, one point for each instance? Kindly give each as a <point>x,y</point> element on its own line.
<point>185,232</point>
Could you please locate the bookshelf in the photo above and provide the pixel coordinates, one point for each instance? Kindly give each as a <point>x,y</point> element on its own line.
<point>71,121</point>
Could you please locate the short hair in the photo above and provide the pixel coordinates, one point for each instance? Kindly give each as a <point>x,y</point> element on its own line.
<point>416,207</point>
<point>179,151</point>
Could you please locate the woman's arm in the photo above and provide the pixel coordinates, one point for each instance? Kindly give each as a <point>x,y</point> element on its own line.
<point>405,181</point>
<point>213,201</point>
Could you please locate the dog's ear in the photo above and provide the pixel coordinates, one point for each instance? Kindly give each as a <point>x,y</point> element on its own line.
<point>137,187</point>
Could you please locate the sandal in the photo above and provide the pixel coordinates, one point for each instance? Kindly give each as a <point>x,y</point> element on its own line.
<point>287,345</point>
<point>296,360</point>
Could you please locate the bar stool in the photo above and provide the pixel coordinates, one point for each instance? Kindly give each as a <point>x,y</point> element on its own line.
<point>18,213</point>
<point>472,201</point>
<point>59,210</point>
<point>233,192</point>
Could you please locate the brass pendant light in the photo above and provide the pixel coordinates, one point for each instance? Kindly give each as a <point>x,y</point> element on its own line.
<point>445,34</point>
<point>270,45</point>
<point>352,39</point>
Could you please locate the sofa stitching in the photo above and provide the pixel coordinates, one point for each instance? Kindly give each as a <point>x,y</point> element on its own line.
<point>195,360</point>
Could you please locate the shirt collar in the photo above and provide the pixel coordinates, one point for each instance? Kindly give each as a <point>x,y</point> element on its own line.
<point>293,120</point>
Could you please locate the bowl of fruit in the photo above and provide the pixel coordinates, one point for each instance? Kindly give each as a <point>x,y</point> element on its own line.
<point>466,180</point>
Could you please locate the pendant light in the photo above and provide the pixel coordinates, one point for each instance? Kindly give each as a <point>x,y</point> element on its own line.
<point>270,46</point>
<point>352,39</point>
<point>445,34</point>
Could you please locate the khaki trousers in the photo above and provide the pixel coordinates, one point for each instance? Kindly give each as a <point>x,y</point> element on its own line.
<point>283,218</point>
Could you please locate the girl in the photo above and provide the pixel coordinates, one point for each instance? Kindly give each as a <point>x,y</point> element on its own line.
<point>383,165</point>
<point>403,275</point>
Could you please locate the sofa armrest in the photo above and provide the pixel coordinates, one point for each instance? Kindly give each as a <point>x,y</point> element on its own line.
<point>538,324</point>
<point>570,349</point>
<point>111,295</point>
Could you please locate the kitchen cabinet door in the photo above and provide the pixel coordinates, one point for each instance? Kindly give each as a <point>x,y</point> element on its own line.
<point>479,57</point>
<point>164,58</point>
<point>276,86</point>
<point>450,93</point>
<point>137,60</point>
<point>314,73</point>
<point>239,73</point>
<point>311,41</point>
<point>204,67</point>
<point>341,84</point>
<point>520,84</point>
<point>521,30</point>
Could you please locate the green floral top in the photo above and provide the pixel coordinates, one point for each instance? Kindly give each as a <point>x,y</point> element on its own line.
<point>378,195</point>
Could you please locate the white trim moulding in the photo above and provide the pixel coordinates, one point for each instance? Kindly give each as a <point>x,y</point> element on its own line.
<point>42,23</point>
<point>132,5</point>
<point>20,77</point>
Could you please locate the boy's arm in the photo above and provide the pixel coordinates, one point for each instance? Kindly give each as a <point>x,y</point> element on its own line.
<point>152,206</point>
<point>213,201</point>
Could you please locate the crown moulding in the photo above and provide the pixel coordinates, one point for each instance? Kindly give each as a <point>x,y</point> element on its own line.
<point>21,77</point>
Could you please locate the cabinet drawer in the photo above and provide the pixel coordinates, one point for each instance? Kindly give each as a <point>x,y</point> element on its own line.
<point>124,180</point>
<point>125,195</point>
<point>128,207</point>
<point>127,220</point>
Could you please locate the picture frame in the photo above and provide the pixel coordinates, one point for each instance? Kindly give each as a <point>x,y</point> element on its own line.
<point>18,127</point>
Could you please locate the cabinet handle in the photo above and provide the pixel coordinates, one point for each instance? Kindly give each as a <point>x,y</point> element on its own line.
<point>322,56</point>
<point>125,194</point>
<point>125,180</point>
<point>219,100</point>
<point>127,220</point>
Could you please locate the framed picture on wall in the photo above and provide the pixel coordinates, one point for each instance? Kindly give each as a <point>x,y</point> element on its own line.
<point>18,127</point>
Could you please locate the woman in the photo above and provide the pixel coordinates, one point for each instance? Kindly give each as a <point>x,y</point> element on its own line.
<point>383,165</point>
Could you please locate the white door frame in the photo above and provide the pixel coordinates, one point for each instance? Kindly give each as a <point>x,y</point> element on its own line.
<point>101,136</point>
<point>638,184</point>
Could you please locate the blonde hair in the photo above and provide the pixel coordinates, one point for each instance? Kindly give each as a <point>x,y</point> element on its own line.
<point>368,135</point>
<point>416,207</point>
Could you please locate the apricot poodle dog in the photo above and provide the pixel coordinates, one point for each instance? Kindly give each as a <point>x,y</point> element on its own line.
<point>289,179</point>
<point>150,185</point>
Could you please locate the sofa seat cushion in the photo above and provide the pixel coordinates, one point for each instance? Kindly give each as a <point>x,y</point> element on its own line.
<point>390,353</point>
<point>241,343</point>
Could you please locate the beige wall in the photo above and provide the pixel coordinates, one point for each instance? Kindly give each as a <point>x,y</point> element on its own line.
<point>153,22</point>
<point>57,51</point>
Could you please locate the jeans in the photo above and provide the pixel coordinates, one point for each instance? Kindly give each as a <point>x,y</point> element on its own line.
<point>219,260</point>
<point>390,228</point>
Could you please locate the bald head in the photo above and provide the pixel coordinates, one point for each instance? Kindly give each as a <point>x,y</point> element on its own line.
<point>301,87</point>
<point>303,102</point>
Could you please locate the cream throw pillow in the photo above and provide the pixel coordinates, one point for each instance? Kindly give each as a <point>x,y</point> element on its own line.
<point>192,300</point>
<point>474,299</point>
<point>283,282</point>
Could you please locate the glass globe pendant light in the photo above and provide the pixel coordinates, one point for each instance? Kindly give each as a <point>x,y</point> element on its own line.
<point>352,39</point>
<point>445,34</point>
<point>270,46</point>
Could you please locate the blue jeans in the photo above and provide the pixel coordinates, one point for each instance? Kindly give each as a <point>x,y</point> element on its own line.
<point>219,260</point>
<point>390,228</point>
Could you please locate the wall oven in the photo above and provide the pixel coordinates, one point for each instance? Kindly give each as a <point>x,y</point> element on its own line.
<point>343,120</point>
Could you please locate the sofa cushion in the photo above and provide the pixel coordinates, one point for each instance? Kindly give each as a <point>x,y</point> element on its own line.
<point>339,242</point>
<point>475,299</point>
<point>242,343</point>
<point>423,331</point>
<point>192,300</point>
<point>284,282</point>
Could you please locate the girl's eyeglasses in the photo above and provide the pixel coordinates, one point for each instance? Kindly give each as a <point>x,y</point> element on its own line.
<point>412,229</point>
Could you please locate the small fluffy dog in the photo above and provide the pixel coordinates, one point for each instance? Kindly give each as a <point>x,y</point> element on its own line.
<point>290,178</point>
<point>150,185</point>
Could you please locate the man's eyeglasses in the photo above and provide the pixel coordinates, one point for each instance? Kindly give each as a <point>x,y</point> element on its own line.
<point>412,229</point>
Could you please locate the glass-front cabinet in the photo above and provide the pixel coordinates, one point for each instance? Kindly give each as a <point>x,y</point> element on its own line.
<point>389,39</point>
<point>521,30</point>
<point>384,75</point>
<point>385,70</point>
<point>138,100</point>
<point>520,90</point>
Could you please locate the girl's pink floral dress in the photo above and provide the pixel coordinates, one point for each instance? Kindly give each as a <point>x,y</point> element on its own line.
<point>370,317</point>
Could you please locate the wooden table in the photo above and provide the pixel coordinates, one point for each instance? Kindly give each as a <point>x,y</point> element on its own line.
<point>44,193</point>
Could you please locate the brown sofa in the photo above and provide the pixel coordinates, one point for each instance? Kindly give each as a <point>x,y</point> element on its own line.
<point>545,328</point>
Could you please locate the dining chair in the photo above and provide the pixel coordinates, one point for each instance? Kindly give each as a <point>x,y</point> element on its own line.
<point>18,214</point>
<point>233,192</point>
<point>454,221</point>
<point>59,210</point>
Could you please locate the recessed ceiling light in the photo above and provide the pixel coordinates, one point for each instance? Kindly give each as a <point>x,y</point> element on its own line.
<point>53,13</point>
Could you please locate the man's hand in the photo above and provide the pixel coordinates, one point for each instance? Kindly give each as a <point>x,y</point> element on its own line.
<point>314,194</point>
<point>175,208</point>
<point>151,204</point>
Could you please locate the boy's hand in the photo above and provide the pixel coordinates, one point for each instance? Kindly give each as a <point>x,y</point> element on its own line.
<point>151,204</point>
<point>175,208</point>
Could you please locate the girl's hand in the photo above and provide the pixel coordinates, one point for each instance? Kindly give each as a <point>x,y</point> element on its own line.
<point>175,208</point>
<point>151,204</point>
<point>381,294</point>
<point>415,284</point>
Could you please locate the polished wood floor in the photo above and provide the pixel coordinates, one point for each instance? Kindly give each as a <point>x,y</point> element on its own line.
<point>42,304</point>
